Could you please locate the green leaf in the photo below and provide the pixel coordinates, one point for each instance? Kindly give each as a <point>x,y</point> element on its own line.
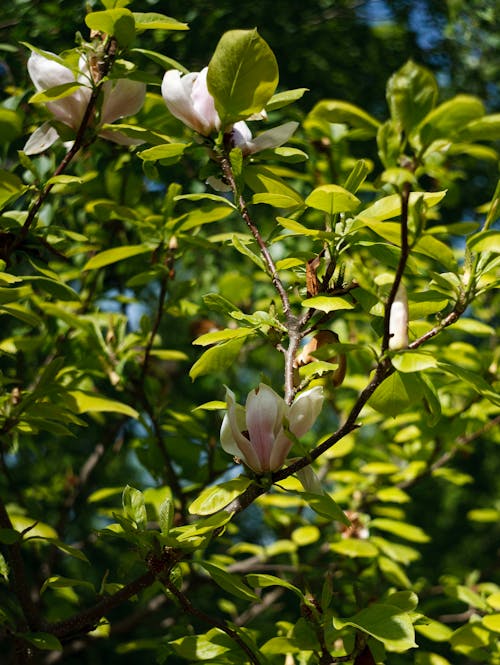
<point>262,581</point>
<point>324,505</point>
<point>213,499</point>
<point>390,206</point>
<point>384,622</point>
<point>486,128</point>
<point>134,506</point>
<point>437,250</point>
<point>281,99</point>
<point>59,582</point>
<point>229,582</point>
<point>328,303</point>
<point>202,647</point>
<point>354,548</point>
<point>401,529</point>
<point>45,641</point>
<point>332,199</point>
<point>396,393</point>
<point>411,94</point>
<point>33,528</point>
<point>168,153</point>
<point>434,630</point>
<point>118,23</point>
<point>57,92</point>
<point>222,336</point>
<point>217,358</point>
<point>110,256</point>
<point>448,119</point>
<point>242,75</point>
<point>88,403</point>
<point>393,572</point>
<point>337,111</point>
<point>413,361</point>
<point>68,549</point>
<point>306,535</point>
<point>155,21</point>
<point>9,536</point>
<point>11,125</point>
<point>10,186</point>
<point>492,622</point>
<point>485,241</point>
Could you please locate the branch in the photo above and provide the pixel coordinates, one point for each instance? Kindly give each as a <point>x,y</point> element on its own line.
<point>233,634</point>
<point>109,55</point>
<point>20,577</point>
<point>87,620</point>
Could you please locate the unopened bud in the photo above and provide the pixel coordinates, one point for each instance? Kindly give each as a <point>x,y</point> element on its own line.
<point>398,320</point>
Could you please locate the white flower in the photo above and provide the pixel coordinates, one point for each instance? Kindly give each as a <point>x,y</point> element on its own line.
<point>121,98</point>
<point>256,434</point>
<point>187,98</point>
<point>398,320</point>
<point>241,137</point>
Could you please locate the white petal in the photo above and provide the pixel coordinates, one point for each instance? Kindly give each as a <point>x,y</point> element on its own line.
<point>176,91</point>
<point>41,139</point>
<point>280,450</point>
<point>121,99</point>
<point>47,73</point>
<point>265,410</point>
<point>204,105</point>
<point>398,320</point>
<point>231,437</point>
<point>272,138</point>
<point>304,410</point>
<point>241,136</point>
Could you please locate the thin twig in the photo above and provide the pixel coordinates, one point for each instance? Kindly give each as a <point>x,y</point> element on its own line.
<point>194,611</point>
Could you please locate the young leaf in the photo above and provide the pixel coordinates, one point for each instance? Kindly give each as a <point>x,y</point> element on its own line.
<point>217,497</point>
<point>242,75</point>
<point>229,582</point>
<point>134,506</point>
<point>332,199</point>
<point>411,94</point>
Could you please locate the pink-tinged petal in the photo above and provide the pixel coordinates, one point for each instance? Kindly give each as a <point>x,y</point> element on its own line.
<point>272,138</point>
<point>398,320</point>
<point>176,91</point>
<point>265,410</point>
<point>280,450</point>
<point>41,139</point>
<point>233,441</point>
<point>304,410</point>
<point>204,105</point>
<point>121,98</point>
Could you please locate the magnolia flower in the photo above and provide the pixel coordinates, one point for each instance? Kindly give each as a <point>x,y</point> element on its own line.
<point>241,137</point>
<point>257,433</point>
<point>120,98</point>
<point>398,320</point>
<point>187,98</point>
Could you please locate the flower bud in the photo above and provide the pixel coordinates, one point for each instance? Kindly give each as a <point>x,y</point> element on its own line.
<point>398,320</point>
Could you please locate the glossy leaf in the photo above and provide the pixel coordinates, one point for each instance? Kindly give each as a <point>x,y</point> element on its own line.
<point>242,75</point>
<point>332,199</point>
<point>215,498</point>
